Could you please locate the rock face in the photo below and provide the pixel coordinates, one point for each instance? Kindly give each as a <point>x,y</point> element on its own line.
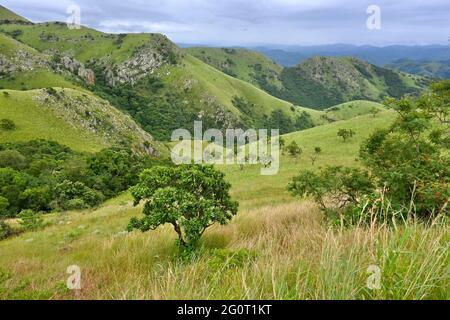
<point>97,116</point>
<point>78,69</point>
<point>22,61</point>
<point>143,63</point>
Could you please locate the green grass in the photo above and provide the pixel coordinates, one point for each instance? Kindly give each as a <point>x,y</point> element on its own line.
<point>352,109</point>
<point>247,65</point>
<point>6,14</point>
<point>75,119</point>
<point>254,190</point>
<point>34,122</point>
<point>269,251</point>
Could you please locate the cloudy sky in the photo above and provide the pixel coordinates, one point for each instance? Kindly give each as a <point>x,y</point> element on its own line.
<point>257,22</point>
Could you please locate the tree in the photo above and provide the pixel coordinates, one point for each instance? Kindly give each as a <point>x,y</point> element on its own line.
<point>30,221</point>
<point>294,150</point>
<point>346,134</point>
<point>316,154</point>
<point>191,198</point>
<point>333,188</point>
<point>375,111</point>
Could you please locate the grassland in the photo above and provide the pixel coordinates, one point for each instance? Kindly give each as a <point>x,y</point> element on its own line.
<point>6,14</point>
<point>276,248</point>
<point>72,118</point>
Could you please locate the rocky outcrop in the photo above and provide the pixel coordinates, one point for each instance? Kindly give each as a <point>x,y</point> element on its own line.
<point>78,69</point>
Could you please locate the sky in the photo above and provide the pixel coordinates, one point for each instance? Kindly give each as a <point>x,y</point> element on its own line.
<point>259,22</point>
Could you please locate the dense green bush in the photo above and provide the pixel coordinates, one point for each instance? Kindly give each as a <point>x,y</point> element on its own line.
<point>43,176</point>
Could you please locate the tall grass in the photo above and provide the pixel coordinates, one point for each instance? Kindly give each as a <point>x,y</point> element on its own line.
<point>283,252</point>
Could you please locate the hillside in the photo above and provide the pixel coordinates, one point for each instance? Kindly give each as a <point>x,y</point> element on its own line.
<point>7,15</point>
<point>345,79</point>
<point>427,68</point>
<point>72,118</point>
<point>339,80</point>
<point>243,64</point>
<point>269,251</point>
<point>142,74</point>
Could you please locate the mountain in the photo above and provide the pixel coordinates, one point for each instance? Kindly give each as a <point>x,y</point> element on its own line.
<point>342,79</point>
<point>290,56</point>
<point>427,68</point>
<point>7,15</point>
<point>338,79</point>
<point>247,65</point>
<point>147,76</point>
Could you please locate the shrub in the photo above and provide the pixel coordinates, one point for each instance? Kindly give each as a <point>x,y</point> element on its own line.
<point>30,221</point>
<point>7,125</point>
<point>190,198</point>
<point>12,159</point>
<point>294,150</point>
<point>6,231</point>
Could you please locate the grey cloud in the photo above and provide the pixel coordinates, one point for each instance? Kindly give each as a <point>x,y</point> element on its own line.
<point>240,22</point>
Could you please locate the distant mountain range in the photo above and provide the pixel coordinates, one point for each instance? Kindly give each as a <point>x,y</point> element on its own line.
<point>291,56</point>
<point>318,82</point>
<point>428,68</point>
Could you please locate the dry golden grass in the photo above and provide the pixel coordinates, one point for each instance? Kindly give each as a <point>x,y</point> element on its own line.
<point>281,252</point>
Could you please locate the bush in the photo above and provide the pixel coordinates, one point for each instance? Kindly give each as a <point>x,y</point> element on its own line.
<point>190,198</point>
<point>6,231</point>
<point>12,159</point>
<point>7,125</point>
<point>30,221</point>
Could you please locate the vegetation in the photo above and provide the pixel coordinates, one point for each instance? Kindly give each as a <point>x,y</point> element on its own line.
<point>408,168</point>
<point>346,134</point>
<point>43,176</point>
<point>190,198</point>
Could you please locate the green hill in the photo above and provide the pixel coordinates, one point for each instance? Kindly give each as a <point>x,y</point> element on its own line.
<point>72,118</point>
<point>243,64</point>
<point>7,15</point>
<point>426,68</point>
<point>338,79</point>
<point>159,85</point>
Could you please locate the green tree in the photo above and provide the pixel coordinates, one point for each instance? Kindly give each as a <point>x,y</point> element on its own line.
<point>315,155</point>
<point>346,134</point>
<point>190,198</point>
<point>294,150</point>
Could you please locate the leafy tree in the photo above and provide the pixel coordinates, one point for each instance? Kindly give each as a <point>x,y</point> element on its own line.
<point>190,198</point>
<point>346,134</point>
<point>316,154</point>
<point>333,188</point>
<point>407,167</point>
<point>375,111</point>
<point>294,150</point>
<point>76,195</point>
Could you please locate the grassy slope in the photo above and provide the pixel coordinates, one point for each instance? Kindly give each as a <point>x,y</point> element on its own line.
<point>48,120</point>
<point>290,252</point>
<point>27,80</point>
<point>240,63</point>
<point>212,82</point>
<point>349,110</point>
<point>6,14</point>
<point>254,190</point>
